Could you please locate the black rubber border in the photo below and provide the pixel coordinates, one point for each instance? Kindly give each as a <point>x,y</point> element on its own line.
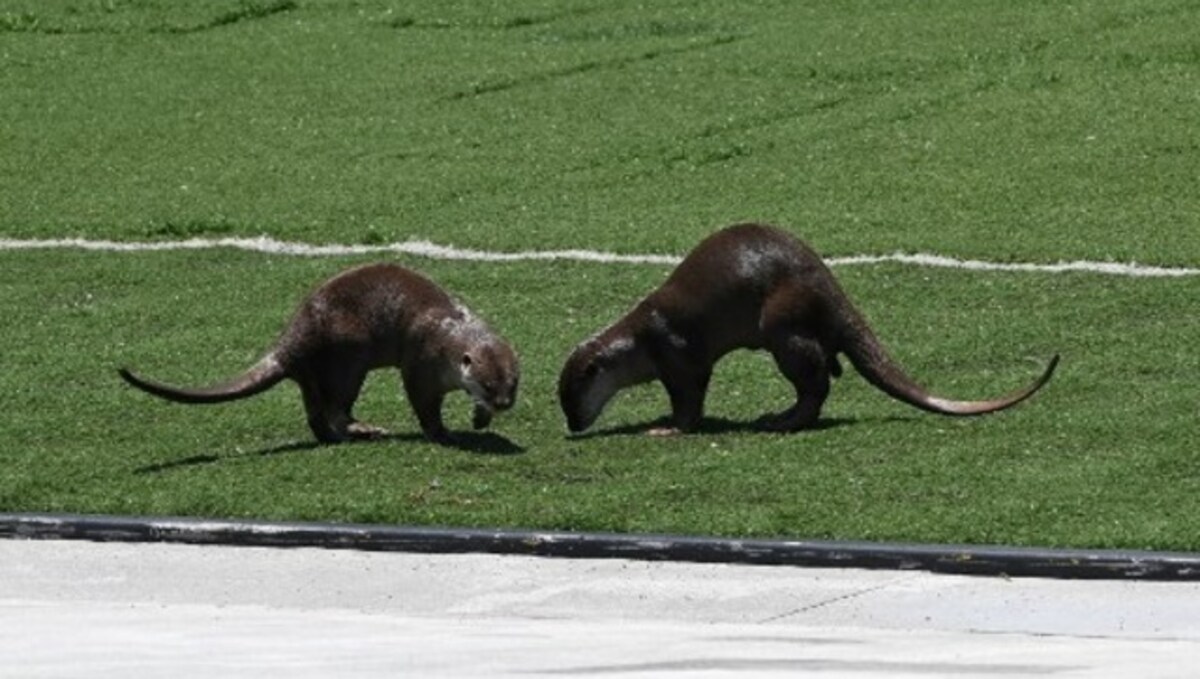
<point>959,559</point>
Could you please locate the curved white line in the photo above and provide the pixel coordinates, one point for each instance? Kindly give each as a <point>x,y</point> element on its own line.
<point>424,248</point>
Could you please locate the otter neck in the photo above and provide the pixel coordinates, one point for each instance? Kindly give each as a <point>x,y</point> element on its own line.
<point>623,348</point>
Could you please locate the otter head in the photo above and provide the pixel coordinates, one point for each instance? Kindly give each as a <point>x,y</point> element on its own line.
<point>596,370</point>
<point>490,374</point>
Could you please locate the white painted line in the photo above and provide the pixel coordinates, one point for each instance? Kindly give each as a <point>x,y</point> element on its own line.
<point>424,248</point>
<point>266,245</point>
<point>1109,268</point>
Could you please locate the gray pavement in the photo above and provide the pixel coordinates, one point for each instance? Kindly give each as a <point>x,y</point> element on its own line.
<point>79,609</point>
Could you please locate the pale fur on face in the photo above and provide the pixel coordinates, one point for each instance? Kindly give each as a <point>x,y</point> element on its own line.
<point>472,387</point>
<point>595,396</point>
<point>469,330</point>
<point>614,372</point>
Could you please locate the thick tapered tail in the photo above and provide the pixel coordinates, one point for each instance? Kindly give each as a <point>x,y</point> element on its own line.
<point>874,364</point>
<point>262,376</point>
<point>891,380</point>
<point>951,407</point>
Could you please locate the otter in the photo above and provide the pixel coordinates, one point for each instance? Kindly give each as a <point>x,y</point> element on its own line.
<point>748,286</point>
<point>370,317</point>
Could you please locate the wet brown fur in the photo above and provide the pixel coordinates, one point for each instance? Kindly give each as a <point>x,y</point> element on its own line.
<point>371,317</point>
<point>747,286</point>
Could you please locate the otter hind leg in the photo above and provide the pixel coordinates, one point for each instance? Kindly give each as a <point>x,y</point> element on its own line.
<point>835,366</point>
<point>804,363</point>
<point>317,410</point>
<point>343,381</point>
<point>343,412</point>
<point>330,389</point>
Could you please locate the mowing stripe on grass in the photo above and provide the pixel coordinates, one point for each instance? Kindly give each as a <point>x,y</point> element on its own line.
<point>424,248</point>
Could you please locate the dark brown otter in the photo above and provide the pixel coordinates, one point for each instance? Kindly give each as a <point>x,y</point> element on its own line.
<point>747,286</point>
<point>371,317</point>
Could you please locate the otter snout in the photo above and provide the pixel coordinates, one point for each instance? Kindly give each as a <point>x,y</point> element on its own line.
<point>574,424</point>
<point>580,412</point>
<point>583,389</point>
<point>569,402</point>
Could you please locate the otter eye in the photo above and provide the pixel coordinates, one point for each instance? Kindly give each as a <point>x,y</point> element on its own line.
<point>466,361</point>
<point>591,370</point>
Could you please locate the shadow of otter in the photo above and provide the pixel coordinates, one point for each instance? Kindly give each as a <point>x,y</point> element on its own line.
<point>480,443</point>
<point>720,425</point>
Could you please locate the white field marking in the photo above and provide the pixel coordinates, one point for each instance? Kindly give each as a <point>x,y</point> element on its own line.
<point>424,248</point>
<point>1108,268</point>
<point>267,245</point>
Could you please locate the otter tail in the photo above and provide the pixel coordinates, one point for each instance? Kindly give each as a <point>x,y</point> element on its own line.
<point>874,364</point>
<point>262,376</point>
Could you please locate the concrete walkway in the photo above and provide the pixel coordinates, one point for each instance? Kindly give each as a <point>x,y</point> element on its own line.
<point>78,609</point>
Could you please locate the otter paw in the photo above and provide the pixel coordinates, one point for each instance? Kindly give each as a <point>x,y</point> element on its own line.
<point>441,436</point>
<point>792,419</point>
<point>664,431</point>
<point>775,422</point>
<point>363,431</point>
<point>482,417</point>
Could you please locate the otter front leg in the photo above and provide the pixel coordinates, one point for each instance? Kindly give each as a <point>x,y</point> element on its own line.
<point>482,416</point>
<point>426,400</point>
<point>687,385</point>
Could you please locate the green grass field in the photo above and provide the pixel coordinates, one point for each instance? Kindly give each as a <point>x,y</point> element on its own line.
<point>1004,131</point>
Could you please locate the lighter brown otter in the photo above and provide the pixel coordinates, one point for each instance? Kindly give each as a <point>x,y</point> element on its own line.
<point>371,317</point>
<point>747,286</point>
